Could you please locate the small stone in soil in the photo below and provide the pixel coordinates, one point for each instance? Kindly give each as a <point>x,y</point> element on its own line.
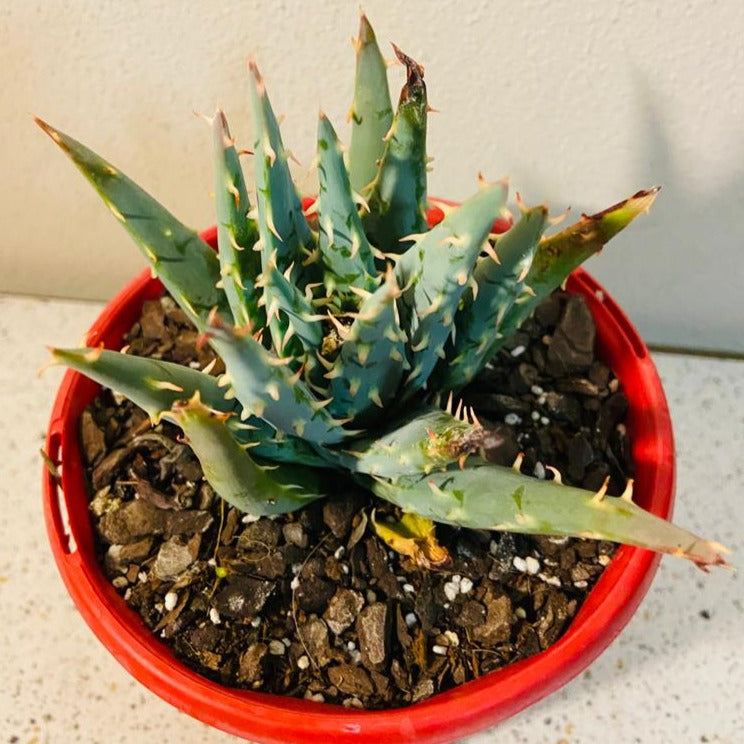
<point>371,627</point>
<point>314,636</point>
<point>118,557</point>
<point>251,668</point>
<point>276,648</point>
<point>175,556</point>
<point>343,609</point>
<point>132,521</point>
<point>572,346</point>
<point>294,534</point>
<point>496,627</point>
<point>337,515</point>
<point>243,597</point>
<point>350,679</point>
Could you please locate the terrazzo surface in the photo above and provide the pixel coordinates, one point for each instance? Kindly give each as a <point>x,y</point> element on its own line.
<point>674,675</point>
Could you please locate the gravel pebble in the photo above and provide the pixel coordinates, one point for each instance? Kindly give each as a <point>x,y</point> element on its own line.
<point>170,600</point>
<point>451,591</point>
<point>276,648</point>
<point>452,638</point>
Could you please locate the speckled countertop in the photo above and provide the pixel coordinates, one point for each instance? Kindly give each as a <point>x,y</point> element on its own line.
<point>675,675</point>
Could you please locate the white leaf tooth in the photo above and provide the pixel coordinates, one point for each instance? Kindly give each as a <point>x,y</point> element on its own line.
<point>270,223</point>
<point>421,345</point>
<point>324,362</point>
<point>490,251</point>
<point>276,361</point>
<point>234,243</point>
<point>296,377</point>
<point>359,200</point>
<point>458,410</point>
<point>356,243</point>
<point>316,405</point>
<point>553,221</point>
<point>411,237</point>
<point>602,492</point>
<point>343,331</point>
<point>454,240</point>
<point>450,399</point>
<point>433,308</point>
<point>363,293</point>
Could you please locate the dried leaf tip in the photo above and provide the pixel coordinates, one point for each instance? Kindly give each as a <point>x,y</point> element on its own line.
<point>366,32</point>
<point>50,130</point>
<point>414,72</point>
<point>254,71</point>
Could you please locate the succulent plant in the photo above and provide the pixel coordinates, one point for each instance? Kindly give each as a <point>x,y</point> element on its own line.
<point>345,326</point>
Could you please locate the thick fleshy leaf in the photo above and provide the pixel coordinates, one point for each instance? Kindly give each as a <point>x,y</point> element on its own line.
<point>367,372</point>
<point>371,112</point>
<point>257,489</point>
<point>283,230</point>
<point>426,440</point>
<point>491,497</point>
<point>558,255</point>
<point>240,265</point>
<point>397,197</point>
<point>185,264</point>
<point>344,248</point>
<point>435,272</point>
<point>295,329</point>
<point>497,286</point>
<point>156,386</point>
<point>267,388</point>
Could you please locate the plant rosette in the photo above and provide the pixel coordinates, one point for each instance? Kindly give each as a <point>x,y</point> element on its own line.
<point>348,327</point>
<point>448,715</point>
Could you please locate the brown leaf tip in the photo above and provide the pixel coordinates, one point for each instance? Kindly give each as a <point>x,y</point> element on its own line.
<point>414,72</point>
<point>366,32</point>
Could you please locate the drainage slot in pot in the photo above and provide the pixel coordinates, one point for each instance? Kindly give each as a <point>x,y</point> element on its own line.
<point>56,503</point>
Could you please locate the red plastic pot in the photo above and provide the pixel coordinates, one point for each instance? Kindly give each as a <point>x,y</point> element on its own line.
<point>444,717</point>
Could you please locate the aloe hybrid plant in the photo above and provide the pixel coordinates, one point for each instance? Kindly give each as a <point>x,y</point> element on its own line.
<point>343,327</point>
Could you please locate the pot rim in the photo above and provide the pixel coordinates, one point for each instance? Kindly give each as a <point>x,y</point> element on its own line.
<point>443,717</point>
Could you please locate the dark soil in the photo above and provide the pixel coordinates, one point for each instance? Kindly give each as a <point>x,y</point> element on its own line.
<point>313,604</point>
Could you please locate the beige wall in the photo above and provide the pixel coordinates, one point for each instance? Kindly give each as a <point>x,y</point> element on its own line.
<point>580,103</point>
